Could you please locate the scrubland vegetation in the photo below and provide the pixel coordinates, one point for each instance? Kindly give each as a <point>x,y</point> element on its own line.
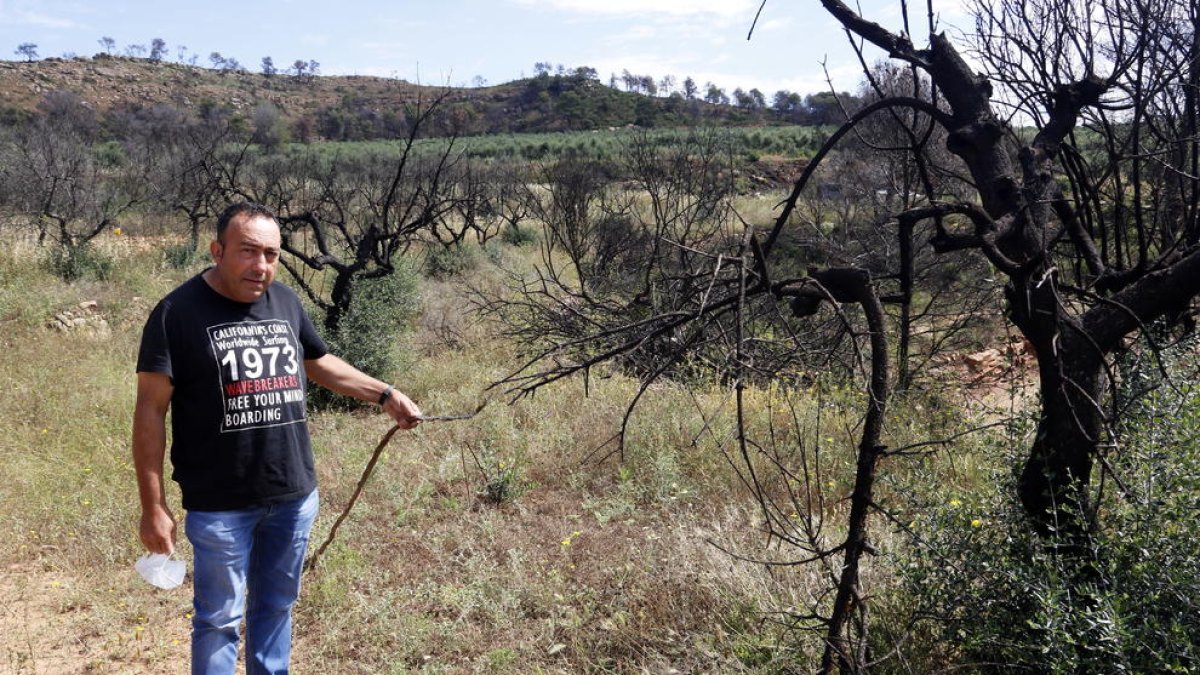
<point>930,409</point>
<point>519,542</point>
<point>501,544</point>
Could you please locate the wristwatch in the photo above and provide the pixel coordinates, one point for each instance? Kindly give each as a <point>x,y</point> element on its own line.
<point>387,393</point>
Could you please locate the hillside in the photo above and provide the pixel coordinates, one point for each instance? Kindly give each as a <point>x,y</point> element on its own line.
<point>107,81</point>
<point>350,107</point>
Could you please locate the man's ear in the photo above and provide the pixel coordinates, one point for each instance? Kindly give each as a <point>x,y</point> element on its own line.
<point>214,250</point>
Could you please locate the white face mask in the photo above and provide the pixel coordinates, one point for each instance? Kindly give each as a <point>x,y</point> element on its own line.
<point>160,570</point>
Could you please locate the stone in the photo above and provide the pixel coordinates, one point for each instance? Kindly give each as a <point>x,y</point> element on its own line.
<point>981,362</point>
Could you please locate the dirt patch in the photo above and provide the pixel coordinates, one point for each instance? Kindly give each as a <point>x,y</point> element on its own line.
<point>54,623</point>
<point>995,382</point>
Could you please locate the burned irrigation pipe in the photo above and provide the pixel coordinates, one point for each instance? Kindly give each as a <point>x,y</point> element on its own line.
<point>311,563</point>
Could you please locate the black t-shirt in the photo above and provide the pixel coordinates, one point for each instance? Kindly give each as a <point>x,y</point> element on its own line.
<point>239,435</point>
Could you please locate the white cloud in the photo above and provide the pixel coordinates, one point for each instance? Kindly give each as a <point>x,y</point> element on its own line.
<point>644,31</point>
<point>726,8</point>
<point>947,13</point>
<point>40,14</point>
<point>384,51</point>
<point>957,14</point>
<point>664,38</point>
<point>21,17</point>
<point>772,25</point>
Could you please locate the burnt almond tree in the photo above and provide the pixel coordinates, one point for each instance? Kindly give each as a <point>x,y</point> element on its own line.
<point>1080,141</point>
<point>345,219</point>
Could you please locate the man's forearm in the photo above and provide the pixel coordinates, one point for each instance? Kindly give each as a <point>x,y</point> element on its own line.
<point>157,528</point>
<point>333,373</point>
<point>150,436</point>
<point>336,375</point>
<point>149,452</point>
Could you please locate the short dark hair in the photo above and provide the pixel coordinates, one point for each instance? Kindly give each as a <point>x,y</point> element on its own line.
<point>241,209</point>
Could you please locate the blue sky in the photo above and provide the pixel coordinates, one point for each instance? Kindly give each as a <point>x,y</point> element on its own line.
<point>454,41</point>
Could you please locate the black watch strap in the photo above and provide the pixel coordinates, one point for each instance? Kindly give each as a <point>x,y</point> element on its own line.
<point>387,393</point>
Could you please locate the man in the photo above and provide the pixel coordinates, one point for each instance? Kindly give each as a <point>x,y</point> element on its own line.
<point>228,353</point>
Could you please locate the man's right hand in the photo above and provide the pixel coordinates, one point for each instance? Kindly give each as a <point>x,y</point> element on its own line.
<point>158,530</point>
<point>402,409</point>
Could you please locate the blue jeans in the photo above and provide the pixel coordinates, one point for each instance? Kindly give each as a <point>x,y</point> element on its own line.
<point>247,563</point>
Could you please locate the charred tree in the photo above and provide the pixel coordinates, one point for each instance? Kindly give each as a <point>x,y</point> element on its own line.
<point>345,219</point>
<point>1072,212</point>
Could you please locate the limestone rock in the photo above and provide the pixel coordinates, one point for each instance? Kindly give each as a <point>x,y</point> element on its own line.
<point>84,319</point>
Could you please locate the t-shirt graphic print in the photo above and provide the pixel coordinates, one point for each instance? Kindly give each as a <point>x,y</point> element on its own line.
<point>259,374</point>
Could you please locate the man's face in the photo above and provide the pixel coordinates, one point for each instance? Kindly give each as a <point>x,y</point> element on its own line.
<point>246,258</point>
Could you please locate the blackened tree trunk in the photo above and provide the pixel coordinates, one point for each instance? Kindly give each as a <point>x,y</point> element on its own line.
<point>1079,230</point>
<point>1053,481</point>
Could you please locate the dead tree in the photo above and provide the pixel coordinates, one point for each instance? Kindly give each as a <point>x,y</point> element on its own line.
<point>585,219</point>
<point>58,179</point>
<point>345,219</point>
<point>1080,152</point>
<point>624,242</point>
<point>698,290</point>
<point>192,161</point>
<point>849,219</point>
<point>493,200</point>
<point>851,286</point>
<point>897,160</point>
<point>1089,215</point>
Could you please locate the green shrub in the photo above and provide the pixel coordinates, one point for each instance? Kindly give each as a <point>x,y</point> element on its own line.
<point>1006,598</point>
<point>502,475</point>
<point>519,236</point>
<point>110,154</point>
<point>74,262</point>
<point>445,262</point>
<point>181,256</point>
<point>372,335</point>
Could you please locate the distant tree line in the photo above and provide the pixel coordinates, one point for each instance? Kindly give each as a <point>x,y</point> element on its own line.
<point>157,52</point>
<point>823,108</point>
